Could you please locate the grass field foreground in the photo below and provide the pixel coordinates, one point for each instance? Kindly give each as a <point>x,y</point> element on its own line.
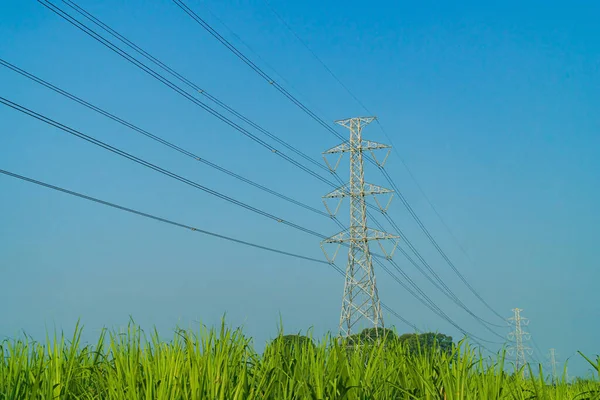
<point>222,364</point>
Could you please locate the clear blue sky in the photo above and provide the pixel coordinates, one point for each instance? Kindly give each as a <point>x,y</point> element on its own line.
<point>494,108</point>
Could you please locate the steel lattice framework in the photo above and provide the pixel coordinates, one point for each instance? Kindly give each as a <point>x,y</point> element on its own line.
<point>553,364</point>
<point>519,336</point>
<point>360,301</point>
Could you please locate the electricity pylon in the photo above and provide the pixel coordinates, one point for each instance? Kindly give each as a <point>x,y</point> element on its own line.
<point>519,335</point>
<point>360,302</point>
<point>553,364</point>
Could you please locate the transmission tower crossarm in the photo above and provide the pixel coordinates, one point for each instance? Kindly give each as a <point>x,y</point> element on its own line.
<point>370,234</point>
<point>365,145</point>
<point>367,189</point>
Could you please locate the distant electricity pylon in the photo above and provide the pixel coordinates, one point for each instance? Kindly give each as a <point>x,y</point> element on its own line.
<point>360,301</point>
<point>519,336</point>
<point>553,364</point>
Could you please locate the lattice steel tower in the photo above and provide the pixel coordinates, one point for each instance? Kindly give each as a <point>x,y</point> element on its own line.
<point>553,364</point>
<point>360,303</point>
<point>519,335</point>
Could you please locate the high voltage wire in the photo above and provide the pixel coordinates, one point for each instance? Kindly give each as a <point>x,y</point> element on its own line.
<point>189,227</point>
<point>256,68</point>
<point>137,48</point>
<point>111,116</point>
<point>429,303</point>
<point>395,314</point>
<point>142,66</point>
<point>333,75</point>
<point>454,299</point>
<point>189,83</point>
<point>196,87</point>
<point>426,300</point>
<point>540,354</point>
<point>156,138</point>
<point>159,219</point>
<point>383,305</point>
<point>154,167</point>
<point>435,244</point>
<point>243,242</point>
<point>83,136</point>
<point>176,88</point>
<point>265,76</point>
<point>438,282</point>
<point>388,137</point>
<point>258,56</point>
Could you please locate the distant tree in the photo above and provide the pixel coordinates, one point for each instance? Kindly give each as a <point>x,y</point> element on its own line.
<point>372,335</point>
<point>405,336</point>
<point>300,341</point>
<point>289,344</point>
<point>426,342</point>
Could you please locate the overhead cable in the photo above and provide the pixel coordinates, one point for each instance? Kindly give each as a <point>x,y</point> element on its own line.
<point>159,219</point>
<point>267,78</point>
<point>157,138</point>
<point>154,167</point>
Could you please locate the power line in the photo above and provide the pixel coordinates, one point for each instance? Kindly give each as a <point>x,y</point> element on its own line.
<point>449,294</point>
<point>154,167</point>
<point>137,63</point>
<point>63,17</point>
<point>361,299</point>
<point>185,80</point>
<point>360,280</point>
<point>383,305</point>
<point>254,67</point>
<point>434,242</point>
<point>159,219</point>
<point>157,138</point>
<point>395,314</point>
<point>538,353</point>
<point>388,137</point>
<point>188,82</point>
<point>189,227</point>
<point>265,62</point>
<point>436,280</point>
<point>422,191</point>
<point>141,51</point>
<point>426,300</point>
<point>344,191</point>
<point>117,119</point>
<point>177,89</point>
<point>89,32</point>
<point>266,77</point>
<point>333,75</point>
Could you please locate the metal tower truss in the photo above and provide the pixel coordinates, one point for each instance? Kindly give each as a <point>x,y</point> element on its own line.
<point>372,234</point>
<point>553,364</point>
<point>360,302</point>
<point>519,336</point>
<point>368,190</point>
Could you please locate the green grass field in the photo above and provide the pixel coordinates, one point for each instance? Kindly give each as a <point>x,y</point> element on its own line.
<point>222,364</point>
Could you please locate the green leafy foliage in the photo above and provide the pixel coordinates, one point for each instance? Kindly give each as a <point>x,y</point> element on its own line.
<point>373,335</point>
<point>426,342</point>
